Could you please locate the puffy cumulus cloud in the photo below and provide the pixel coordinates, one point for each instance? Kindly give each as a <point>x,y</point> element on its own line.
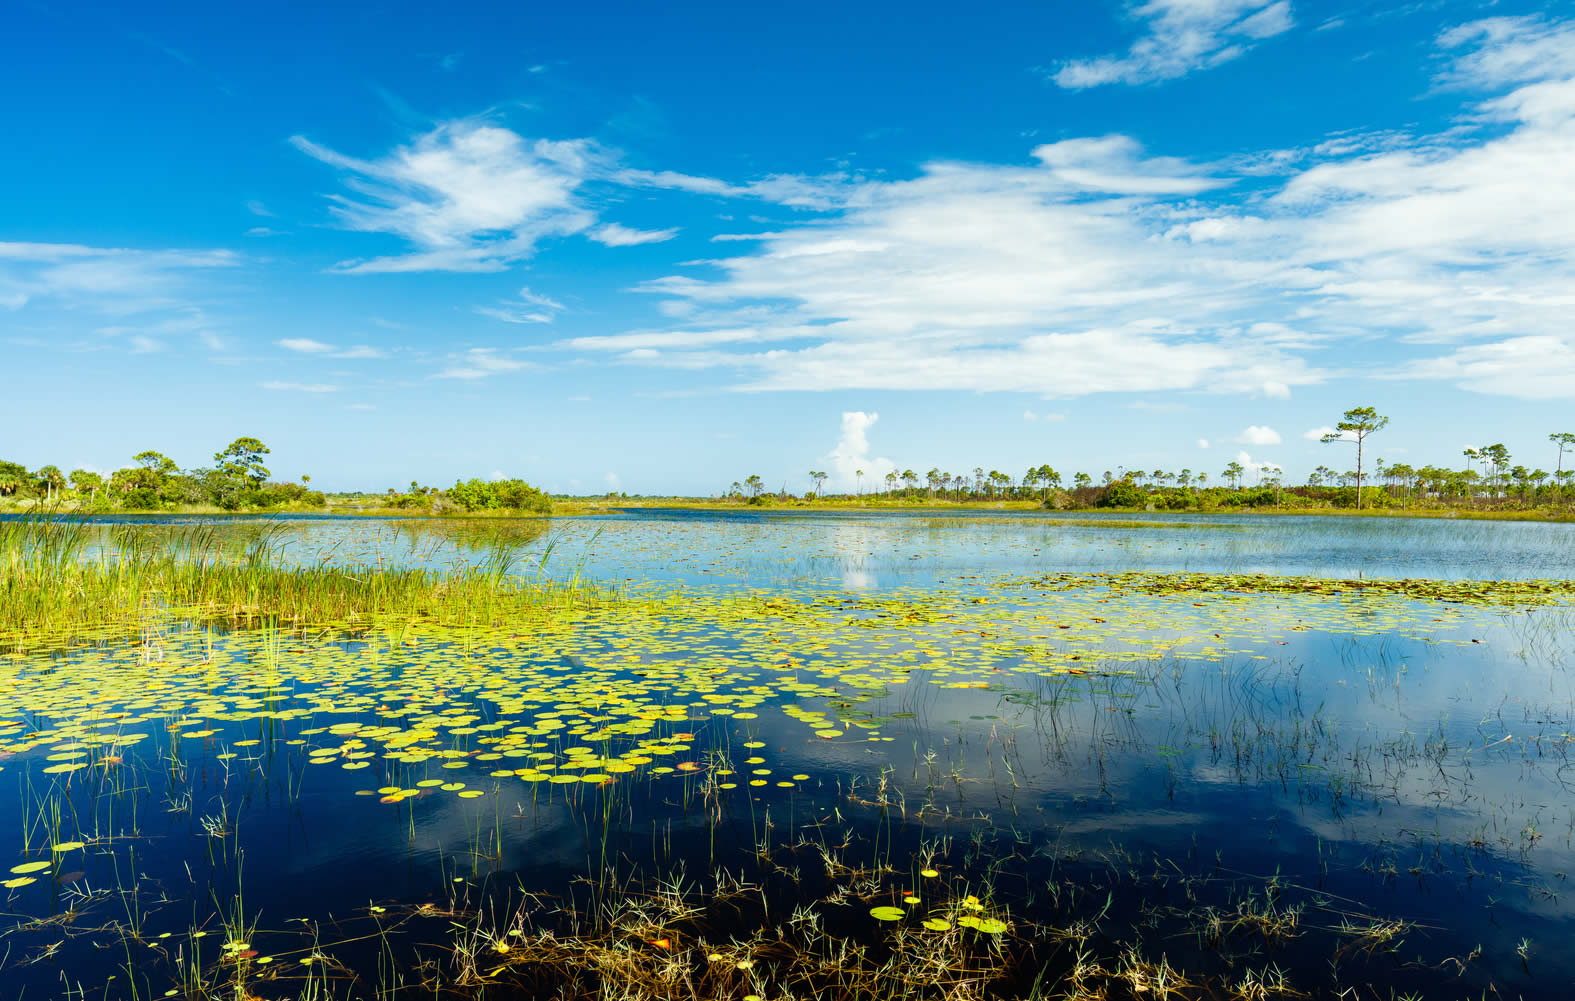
<point>1258,435</point>
<point>1096,266</point>
<point>1256,469</point>
<point>851,455</point>
<point>1181,36</point>
<point>1203,443</point>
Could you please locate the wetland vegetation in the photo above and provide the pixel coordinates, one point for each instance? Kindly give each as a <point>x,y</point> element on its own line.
<point>681,754</point>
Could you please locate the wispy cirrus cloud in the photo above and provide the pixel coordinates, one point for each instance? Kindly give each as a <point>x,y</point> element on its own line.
<point>529,307</point>
<point>110,279</point>
<point>307,346</point>
<point>299,387</point>
<point>479,363</point>
<point>149,297</point>
<point>1181,36</point>
<point>468,196</point>
<point>613,235</point>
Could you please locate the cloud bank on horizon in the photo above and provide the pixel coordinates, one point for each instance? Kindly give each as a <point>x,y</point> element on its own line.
<point>1421,253</point>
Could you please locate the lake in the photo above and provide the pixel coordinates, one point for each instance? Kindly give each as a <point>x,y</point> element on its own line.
<point>818,754</point>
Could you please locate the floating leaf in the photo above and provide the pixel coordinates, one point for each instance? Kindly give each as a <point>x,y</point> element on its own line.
<point>888,913</point>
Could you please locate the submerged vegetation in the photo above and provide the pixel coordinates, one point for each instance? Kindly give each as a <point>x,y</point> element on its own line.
<point>241,777</point>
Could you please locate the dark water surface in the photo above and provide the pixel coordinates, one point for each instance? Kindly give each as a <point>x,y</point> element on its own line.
<point>1349,792</point>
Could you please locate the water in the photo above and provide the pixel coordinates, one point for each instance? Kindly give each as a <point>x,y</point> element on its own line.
<point>861,551</point>
<point>1237,783</point>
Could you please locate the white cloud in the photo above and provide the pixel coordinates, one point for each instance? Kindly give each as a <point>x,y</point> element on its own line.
<point>1203,443</point>
<point>852,453</point>
<point>1254,469</point>
<point>1532,368</point>
<point>537,299</point>
<point>468,196</point>
<point>1182,36</point>
<point>112,280</point>
<point>613,481</point>
<point>304,345</point>
<point>1103,268</point>
<point>143,345</point>
<point>264,231</point>
<point>1510,50</point>
<point>1115,164</point>
<point>478,363</point>
<point>535,309</point>
<point>300,387</point>
<point>1028,415</point>
<point>361,351</point>
<point>613,235</point>
<point>794,190</point>
<point>513,314</point>
<point>1258,435</point>
<point>256,207</point>
<point>307,346</point>
<point>472,196</point>
<point>1317,434</point>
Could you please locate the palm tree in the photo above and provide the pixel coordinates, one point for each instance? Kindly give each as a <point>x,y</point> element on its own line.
<point>891,483</point>
<point>51,479</point>
<point>858,478</point>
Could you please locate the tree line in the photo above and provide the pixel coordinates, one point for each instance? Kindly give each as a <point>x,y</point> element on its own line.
<point>239,480</point>
<point>1497,480</point>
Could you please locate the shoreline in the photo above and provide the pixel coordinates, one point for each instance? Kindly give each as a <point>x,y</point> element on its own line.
<point>576,508</point>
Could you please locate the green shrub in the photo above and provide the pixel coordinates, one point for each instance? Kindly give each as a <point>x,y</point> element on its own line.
<point>1121,493</point>
<point>499,495</point>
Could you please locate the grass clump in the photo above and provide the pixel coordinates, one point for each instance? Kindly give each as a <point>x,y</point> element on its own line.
<point>58,576</point>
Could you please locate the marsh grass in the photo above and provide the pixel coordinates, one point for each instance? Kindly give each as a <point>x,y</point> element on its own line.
<point>54,580</point>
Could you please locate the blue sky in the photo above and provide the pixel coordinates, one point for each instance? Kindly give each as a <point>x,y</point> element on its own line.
<point>660,250</point>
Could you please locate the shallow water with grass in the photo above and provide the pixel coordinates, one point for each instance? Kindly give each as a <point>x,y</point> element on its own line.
<point>694,754</point>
